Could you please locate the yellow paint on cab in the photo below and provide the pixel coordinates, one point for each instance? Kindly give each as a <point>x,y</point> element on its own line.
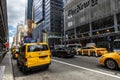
<point>34,55</point>
<point>113,55</point>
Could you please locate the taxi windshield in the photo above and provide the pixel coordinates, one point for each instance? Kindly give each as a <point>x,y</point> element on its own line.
<point>34,48</point>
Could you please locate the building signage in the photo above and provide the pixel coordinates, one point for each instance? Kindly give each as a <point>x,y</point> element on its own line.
<point>82,6</point>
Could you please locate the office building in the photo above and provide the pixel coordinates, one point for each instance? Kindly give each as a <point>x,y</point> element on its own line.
<point>14,41</point>
<point>29,9</point>
<point>20,34</point>
<point>48,15</point>
<point>3,24</point>
<point>92,21</point>
<point>28,19</point>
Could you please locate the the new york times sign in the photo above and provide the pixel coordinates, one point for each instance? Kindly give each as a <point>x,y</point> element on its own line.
<point>82,6</point>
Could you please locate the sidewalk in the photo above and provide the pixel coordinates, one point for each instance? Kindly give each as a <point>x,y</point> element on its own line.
<point>8,72</point>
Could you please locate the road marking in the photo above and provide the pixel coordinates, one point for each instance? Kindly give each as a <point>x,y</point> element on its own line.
<point>86,69</point>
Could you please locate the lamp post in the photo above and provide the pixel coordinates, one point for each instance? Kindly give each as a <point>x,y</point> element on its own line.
<point>64,28</point>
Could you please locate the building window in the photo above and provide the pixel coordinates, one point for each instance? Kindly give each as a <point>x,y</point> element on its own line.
<point>70,24</point>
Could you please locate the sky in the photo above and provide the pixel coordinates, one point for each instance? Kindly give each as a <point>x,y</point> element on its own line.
<point>16,15</point>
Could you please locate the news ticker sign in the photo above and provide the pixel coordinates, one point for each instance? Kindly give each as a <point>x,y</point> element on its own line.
<point>81,6</point>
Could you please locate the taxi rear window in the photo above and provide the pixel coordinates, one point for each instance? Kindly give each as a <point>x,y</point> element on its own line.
<point>34,48</point>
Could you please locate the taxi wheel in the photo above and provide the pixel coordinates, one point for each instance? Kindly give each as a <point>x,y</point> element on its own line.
<point>94,54</point>
<point>62,56</point>
<point>53,55</point>
<point>46,67</point>
<point>111,64</point>
<point>24,69</point>
<point>79,53</point>
<point>13,56</point>
<point>19,66</point>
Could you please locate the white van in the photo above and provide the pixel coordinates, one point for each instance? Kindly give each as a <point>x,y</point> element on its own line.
<point>74,46</point>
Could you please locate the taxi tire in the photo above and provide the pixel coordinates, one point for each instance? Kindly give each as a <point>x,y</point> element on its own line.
<point>62,56</point>
<point>46,67</point>
<point>13,56</point>
<point>53,55</point>
<point>24,69</point>
<point>19,66</point>
<point>94,54</point>
<point>109,61</point>
<point>79,53</point>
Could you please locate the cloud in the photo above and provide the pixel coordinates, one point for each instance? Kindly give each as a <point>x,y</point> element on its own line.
<point>16,14</point>
<point>16,11</point>
<point>10,39</point>
<point>12,30</point>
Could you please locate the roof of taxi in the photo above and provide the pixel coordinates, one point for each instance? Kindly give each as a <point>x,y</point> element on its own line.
<point>33,43</point>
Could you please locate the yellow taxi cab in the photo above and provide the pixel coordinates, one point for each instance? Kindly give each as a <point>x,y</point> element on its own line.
<point>95,51</point>
<point>34,55</point>
<point>111,60</point>
<point>15,53</point>
<point>12,49</point>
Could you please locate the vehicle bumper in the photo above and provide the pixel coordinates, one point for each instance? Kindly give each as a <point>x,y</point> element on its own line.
<point>37,67</point>
<point>101,61</point>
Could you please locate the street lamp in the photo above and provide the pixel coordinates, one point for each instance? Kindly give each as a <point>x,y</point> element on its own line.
<point>108,30</point>
<point>34,25</point>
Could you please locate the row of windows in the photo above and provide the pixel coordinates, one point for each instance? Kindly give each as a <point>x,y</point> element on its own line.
<point>48,9</point>
<point>38,10</point>
<point>102,9</point>
<point>47,5</point>
<point>58,1</point>
<point>87,34</point>
<point>47,2</point>
<point>38,4</point>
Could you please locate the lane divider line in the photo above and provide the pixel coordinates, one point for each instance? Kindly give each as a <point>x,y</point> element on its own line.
<point>107,74</point>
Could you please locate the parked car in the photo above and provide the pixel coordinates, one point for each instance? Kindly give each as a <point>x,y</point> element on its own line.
<point>15,53</point>
<point>111,60</point>
<point>34,55</point>
<point>62,52</point>
<point>94,51</point>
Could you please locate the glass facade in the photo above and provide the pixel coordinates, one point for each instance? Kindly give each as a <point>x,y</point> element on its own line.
<point>53,15</point>
<point>29,9</point>
<point>50,14</point>
<point>38,10</point>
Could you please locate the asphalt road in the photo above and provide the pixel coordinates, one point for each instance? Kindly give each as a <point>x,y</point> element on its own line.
<point>78,68</point>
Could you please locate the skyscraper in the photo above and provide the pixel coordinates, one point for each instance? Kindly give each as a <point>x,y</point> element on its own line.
<point>3,23</point>
<point>28,19</point>
<point>29,9</point>
<point>48,15</point>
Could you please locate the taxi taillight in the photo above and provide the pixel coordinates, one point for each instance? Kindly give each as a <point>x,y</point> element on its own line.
<point>25,59</point>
